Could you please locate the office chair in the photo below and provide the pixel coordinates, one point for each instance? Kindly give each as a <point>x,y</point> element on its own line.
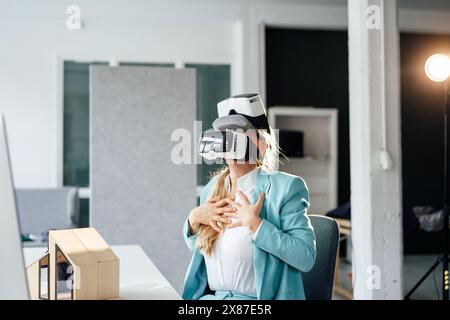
<point>318,282</point>
<point>44,209</point>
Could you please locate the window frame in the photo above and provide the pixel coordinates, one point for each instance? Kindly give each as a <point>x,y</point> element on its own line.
<point>56,273</point>
<point>46,256</point>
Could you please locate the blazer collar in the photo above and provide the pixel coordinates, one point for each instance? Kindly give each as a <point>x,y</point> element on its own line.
<point>262,178</point>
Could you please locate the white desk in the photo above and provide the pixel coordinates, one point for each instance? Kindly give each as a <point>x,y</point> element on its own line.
<point>139,277</point>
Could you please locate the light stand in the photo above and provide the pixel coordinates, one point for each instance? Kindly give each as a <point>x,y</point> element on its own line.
<point>446,199</point>
<point>437,68</point>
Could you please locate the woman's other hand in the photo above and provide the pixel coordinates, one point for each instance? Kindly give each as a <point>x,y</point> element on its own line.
<point>211,213</point>
<point>247,214</point>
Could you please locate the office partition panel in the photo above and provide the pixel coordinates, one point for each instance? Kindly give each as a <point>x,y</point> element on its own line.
<point>139,196</point>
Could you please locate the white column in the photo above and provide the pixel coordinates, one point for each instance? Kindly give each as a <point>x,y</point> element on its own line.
<point>375,189</point>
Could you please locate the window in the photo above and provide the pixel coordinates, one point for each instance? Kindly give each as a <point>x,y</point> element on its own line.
<point>76,130</point>
<point>213,85</point>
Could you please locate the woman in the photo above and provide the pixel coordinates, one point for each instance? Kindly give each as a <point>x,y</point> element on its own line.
<point>251,237</point>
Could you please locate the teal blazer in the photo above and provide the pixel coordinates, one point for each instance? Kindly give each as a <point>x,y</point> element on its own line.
<point>284,247</point>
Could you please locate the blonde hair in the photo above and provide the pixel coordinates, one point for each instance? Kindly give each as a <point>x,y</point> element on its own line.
<point>207,236</point>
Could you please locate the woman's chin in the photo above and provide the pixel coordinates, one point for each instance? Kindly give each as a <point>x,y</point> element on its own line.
<point>235,162</point>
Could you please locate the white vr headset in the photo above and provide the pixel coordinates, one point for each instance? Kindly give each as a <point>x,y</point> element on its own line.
<point>223,144</point>
<point>228,139</point>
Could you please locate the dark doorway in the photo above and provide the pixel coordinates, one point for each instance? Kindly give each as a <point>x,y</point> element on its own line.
<point>310,68</point>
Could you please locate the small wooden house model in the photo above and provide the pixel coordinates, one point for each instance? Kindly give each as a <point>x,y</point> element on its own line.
<point>78,265</point>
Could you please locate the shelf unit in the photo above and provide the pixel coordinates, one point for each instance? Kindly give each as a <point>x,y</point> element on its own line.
<point>319,165</point>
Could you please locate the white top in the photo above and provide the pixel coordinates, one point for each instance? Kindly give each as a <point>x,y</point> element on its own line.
<point>230,266</point>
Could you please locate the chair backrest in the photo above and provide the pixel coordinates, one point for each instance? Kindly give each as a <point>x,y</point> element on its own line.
<point>43,209</point>
<point>318,282</point>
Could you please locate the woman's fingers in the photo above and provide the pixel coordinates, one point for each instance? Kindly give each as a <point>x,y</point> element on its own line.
<point>214,225</point>
<point>260,201</point>
<point>233,203</point>
<point>221,219</point>
<point>225,209</point>
<point>222,202</point>
<point>230,214</point>
<point>243,197</point>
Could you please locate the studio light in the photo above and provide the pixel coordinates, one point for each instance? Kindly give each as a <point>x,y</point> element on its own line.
<point>437,67</point>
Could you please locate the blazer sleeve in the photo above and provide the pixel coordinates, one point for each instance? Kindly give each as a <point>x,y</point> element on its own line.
<point>295,243</point>
<point>188,237</point>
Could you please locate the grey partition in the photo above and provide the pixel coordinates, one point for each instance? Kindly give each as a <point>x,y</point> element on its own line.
<point>138,195</point>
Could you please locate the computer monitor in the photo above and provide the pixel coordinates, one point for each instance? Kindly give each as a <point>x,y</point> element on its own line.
<point>13,280</point>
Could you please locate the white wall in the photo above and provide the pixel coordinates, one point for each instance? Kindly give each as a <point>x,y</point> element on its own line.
<point>33,36</point>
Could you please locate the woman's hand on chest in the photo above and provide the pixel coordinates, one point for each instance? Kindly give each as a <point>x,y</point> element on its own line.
<point>246,214</point>
<point>210,213</point>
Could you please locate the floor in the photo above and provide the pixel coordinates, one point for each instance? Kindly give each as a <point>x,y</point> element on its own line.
<point>415,267</point>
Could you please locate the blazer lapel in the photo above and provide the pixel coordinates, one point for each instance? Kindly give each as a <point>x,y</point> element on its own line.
<point>262,184</point>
